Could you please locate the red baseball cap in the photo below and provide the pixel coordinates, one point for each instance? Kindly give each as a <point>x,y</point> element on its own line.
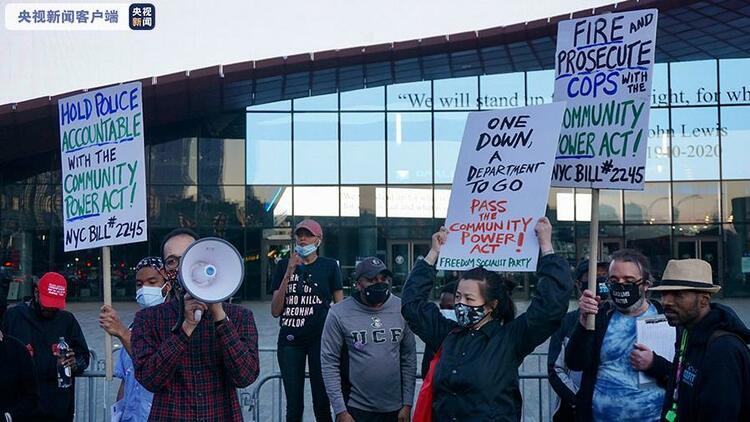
<point>310,225</point>
<point>52,290</point>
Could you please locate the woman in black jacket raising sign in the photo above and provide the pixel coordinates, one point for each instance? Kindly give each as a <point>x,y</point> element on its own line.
<point>476,378</point>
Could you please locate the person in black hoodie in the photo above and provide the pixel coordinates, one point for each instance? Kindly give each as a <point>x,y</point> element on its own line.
<point>710,379</point>
<point>609,356</point>
<point>445,304</point>
<point>563,381</point>
<point>39,324</point>
<point>18,392</point>
<point>476,377</point>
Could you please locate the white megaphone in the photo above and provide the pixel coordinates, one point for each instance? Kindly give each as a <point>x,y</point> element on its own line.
<point>211,271</point>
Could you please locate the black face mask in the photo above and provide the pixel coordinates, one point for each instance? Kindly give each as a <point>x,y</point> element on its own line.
<point>468,316</point>
<point>376,294</point>
<point>626,297</point>
<point>43,313</point>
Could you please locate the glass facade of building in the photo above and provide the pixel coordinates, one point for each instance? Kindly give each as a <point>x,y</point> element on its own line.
<point>375,166</point>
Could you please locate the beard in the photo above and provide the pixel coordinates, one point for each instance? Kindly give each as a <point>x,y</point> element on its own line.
<point>682,317</point>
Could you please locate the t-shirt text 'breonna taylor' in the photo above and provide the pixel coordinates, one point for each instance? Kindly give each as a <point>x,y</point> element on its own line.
<point>308,298</point>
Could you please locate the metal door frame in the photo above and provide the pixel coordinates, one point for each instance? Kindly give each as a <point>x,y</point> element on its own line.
<point>582,241</point>
<point>698,242</point>
<point>410,250</point>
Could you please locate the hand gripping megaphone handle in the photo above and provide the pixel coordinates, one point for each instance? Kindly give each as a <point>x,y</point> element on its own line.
<point>199,270</point>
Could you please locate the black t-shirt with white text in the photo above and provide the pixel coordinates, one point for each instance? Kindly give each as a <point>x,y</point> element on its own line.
<point>308,298</point>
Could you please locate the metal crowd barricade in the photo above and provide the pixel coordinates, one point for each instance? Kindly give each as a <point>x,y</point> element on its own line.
<point>539,399</point>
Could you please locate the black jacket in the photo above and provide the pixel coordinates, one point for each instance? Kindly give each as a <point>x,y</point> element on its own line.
<point>560,375</point>
<point>583,353</point>
<point>715,383</point>
<point>18,391</point>
<point>476,378</point>
<point>38,335</point>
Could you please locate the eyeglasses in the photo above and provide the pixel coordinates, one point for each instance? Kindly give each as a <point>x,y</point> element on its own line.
<point>623,282</point>
<point>172,262</point>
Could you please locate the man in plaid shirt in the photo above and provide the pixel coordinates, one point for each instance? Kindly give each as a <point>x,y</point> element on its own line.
<point>194,373</point>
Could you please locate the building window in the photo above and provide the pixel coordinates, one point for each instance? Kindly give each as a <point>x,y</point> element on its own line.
<point>696,202</point>
<point>660,86</point>
<point>501,91</point>
<point>695,145</point>
<point>449,130</point>
<point>410,96</point>
<point>222,161</point>
<point>694,83</point>
<point>269,149</point>
<point>362,148</point>
<point>658,156</point>
<point>174,162</point>
<point>539,87</point>
<point>368,99</point>
<point>736,197</point>
<point>409,148</point>
<point>733,77</point>
<point>268,206</point>
<point>735,142</point>
<point>328,102</point>
<point>456,94</point>
<point>650,206</point>
<point>316,155</point>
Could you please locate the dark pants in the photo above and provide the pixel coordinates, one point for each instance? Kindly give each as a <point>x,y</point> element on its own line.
<point>566,413</point>
<point>363,416</point>
<point>292,365</point>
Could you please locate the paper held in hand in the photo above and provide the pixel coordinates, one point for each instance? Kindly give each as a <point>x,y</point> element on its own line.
<point>659,336</point>
<point>500,188</point>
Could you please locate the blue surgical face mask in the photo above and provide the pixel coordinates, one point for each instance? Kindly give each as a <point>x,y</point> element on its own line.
<point>306,250</point>
<point>449,313</point>
<point>148,296</point>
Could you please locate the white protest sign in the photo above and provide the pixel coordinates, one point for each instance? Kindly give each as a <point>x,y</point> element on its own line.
<point>500,188</point>
<point>603,69</point>
<point>103,167</point>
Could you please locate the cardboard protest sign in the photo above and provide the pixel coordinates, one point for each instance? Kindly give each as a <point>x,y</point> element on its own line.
<point>603,69</point>
<point>500,188</point>
<point>103,167</point>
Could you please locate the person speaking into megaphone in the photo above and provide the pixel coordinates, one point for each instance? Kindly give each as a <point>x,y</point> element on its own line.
<point>194,371</point>
<point>303,288</point>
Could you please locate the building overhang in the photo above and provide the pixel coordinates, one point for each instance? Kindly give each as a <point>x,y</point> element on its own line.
<point>687,30</point>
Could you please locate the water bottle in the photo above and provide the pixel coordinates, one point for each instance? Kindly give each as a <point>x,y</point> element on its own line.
<point>64,374</point>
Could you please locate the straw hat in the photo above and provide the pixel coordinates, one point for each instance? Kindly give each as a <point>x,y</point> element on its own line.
<point>687,274</point>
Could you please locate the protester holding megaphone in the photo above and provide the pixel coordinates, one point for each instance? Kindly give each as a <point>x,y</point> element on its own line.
<point>476,375</point>
<point>304,286</point>
<point>195,369</point>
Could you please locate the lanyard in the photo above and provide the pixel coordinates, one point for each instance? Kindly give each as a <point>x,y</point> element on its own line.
<point>672,413</point>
